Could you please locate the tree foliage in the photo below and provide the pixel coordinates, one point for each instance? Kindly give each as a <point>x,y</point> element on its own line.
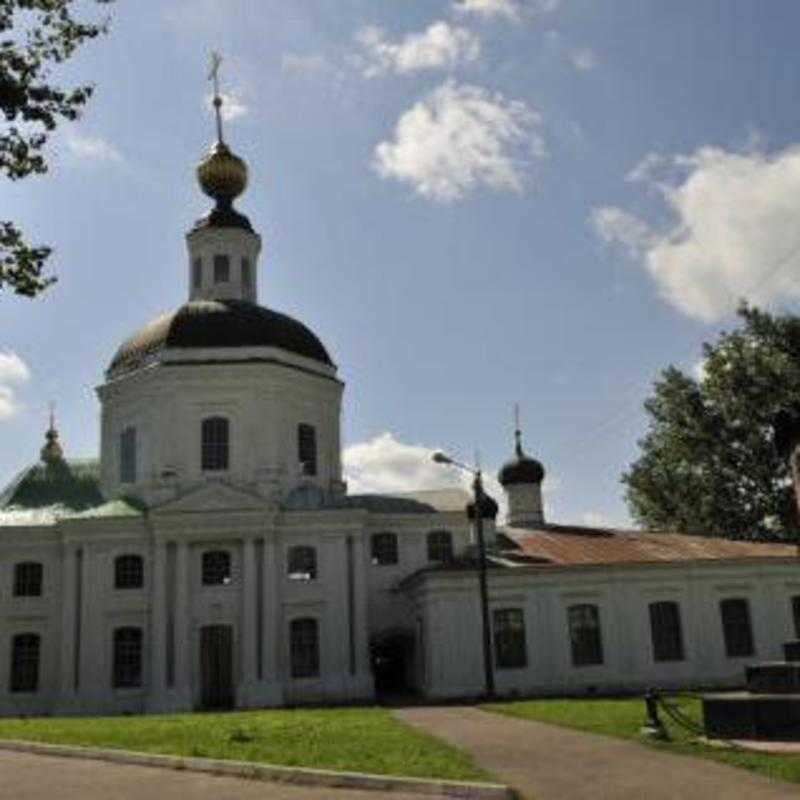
<point>35,36</point>
<point>708,463</point>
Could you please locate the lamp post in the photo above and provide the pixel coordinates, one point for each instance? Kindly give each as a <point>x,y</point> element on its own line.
<point>477,486</point>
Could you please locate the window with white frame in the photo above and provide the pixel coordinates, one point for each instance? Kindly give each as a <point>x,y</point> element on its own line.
<point>510,649</point>
<point>215,444</point>
<point>216,568</point>
<point>384,549</point>
<point>737,629</point>
<point>665,631</point>
<point>440,546</point>
<point>127,455</point>
<point>302,563</point>
<point>585,635</point>
<point>28,579</point>
<point>128,571</point>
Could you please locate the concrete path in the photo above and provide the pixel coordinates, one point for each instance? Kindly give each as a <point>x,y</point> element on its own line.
<point>30,777</point>
<point>545,762</point>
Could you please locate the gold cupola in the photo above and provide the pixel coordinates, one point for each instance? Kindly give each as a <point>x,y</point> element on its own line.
<point>221,173</point>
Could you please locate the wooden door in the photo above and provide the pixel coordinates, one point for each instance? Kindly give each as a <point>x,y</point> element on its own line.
<point>216,666</point>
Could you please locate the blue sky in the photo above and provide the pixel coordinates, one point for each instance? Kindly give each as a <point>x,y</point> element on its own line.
<point>472,202</point>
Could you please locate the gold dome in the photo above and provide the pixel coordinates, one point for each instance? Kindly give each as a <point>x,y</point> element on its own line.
<point>222,174</point>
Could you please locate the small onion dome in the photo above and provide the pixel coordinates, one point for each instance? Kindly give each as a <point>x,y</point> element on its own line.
<point>522,469</point>
<point>489,508</point>
<point>222,174</point>
<point>52,453</point>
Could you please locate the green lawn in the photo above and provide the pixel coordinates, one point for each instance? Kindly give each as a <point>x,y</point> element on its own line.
<point>624,718</point>
<point>359,739</point>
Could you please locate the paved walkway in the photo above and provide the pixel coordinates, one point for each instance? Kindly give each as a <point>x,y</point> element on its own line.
<point>545,762</point>
<point>30,777</point>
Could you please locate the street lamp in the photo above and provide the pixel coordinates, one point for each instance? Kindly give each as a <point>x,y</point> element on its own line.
<point>477,486</point>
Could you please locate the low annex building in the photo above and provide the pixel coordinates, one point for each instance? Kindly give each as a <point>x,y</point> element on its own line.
<point>212,557</point>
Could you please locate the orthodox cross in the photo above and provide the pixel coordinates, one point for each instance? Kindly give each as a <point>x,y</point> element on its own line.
<point>213,76</point>
<point>517,430</point>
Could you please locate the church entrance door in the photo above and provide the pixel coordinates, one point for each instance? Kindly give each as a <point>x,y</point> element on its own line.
<point>216,666</point>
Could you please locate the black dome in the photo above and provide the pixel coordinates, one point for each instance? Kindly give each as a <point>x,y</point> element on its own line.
<point>522,469</point>
<point>219,323</point>
<point>489,505</point>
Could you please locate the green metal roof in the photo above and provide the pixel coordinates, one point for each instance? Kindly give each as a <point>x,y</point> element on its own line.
<point>43,494</point>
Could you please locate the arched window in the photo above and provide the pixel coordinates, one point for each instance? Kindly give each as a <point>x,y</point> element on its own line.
<point>302,563</point>
<point>307,448</point>
<point>665,631</point>
<point>127,658</point>
<point>128,572</point>
<point>384,549</point>
<point>796,614</point>
<point>304,646</point>
<point>440,546</point>
<point>197,273</point>
<point>245,274</point>
<point>222,269</point>
<point>585,635</point>
<point>216,568</point>
<point>510,650</point>
<point>736,627</point>
<point>28,576</point>
<point>215,444</point>
<point>127,456</point>
<point>25,653</point>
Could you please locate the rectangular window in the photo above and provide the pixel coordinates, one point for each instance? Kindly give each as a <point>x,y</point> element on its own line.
<point>307,448</point>
<point>245,273</point>
<point>215,436</point>
<point>216,568</point>
<point>736,628</point>
<point>28,577</point>
<point>440,546</point>
<point>510,651</point>
<point>25,649</point>
<point>197,273</point>
<point>665,631</point>
<point>127,456</point>
<point>585,635</point>
<point>384,549</point>
<point>222,269</point>
<point>302,563</point>
<point>796,615</point>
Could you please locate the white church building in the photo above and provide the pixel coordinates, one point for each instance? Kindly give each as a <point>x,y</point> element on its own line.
<point>212,557</point>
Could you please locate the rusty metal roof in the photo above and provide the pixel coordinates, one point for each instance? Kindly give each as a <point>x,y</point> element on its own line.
<point>568,545</point>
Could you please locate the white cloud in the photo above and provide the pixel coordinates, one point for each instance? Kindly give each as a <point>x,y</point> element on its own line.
<point>303,62</point>
<point>440,46</point>
<point>13,372</point>
<point>384,465</point>
<point>699,370</point>
<point>460,137</point>
<point>92,149</point>
<point>507,9</point>
<point>233,106</point>
<point>615,226</point>
<point>584,59</point>
<point>733,231</point>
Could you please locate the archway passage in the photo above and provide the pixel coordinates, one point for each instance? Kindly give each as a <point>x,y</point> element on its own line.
<point>391,655</point>
<point>216,667</point>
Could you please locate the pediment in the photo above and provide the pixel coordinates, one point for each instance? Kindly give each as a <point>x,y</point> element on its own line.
<point>211,498</point>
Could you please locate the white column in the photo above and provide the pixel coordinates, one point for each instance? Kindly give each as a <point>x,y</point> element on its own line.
<point>158,627</point>
<point>68,616</point>
<point>271,634</point>
<point>95,651</point>
<point>183,655</point>
<point>248,637</point>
